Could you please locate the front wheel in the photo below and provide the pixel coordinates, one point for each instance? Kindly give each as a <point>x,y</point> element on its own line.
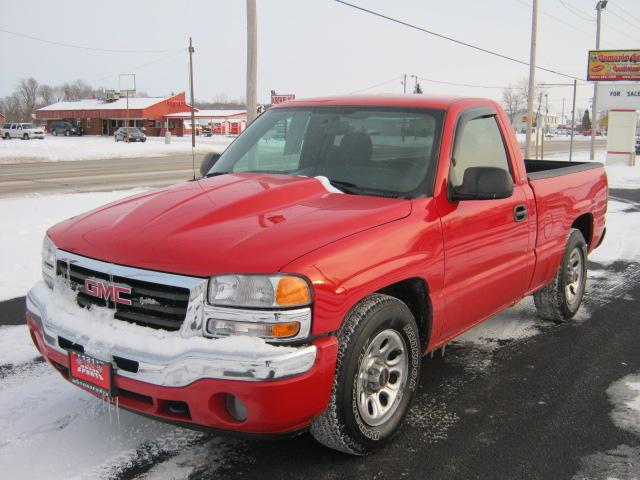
<point>25,136</point>
<point>560,300</point>
<point>55,133</point>
<point>67,133</point>
<point>377,374</point>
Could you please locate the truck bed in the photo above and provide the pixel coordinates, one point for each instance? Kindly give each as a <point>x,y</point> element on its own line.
<point>537,169</point>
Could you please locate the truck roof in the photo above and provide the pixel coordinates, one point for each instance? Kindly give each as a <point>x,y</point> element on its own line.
<point>415,101</point>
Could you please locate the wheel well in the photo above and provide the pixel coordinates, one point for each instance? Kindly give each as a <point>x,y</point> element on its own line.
<point>414,293</point>
<point>584,223</point>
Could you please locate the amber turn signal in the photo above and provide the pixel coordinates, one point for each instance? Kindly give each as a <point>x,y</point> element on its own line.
<point>292,291</point>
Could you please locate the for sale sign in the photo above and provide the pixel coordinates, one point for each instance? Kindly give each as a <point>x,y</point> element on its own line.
<point>613,65</point>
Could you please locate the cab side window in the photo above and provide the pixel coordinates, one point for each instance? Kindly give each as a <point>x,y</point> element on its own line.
<point>478,144</point>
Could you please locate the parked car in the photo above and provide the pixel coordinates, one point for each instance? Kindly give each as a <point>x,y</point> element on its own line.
<point>637,145</point>
<point>134,134</point>
<point>65,128</point>
<point>25,131</point>
<point>297,284</point>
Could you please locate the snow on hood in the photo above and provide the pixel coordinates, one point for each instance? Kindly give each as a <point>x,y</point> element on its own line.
<point>231,223</point>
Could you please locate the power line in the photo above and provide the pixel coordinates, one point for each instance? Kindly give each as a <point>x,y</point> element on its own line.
<point>628,13</point>
<point>376,85</point>
<point>132,69</point>
<point>459,42</point>
<point>557,19</point>
<point>612,12</point>
<point>82,47</point>
<point>460,84</point>
<point>577,13</point>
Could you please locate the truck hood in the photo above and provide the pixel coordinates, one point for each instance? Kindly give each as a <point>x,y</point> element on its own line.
<point>235,223</point>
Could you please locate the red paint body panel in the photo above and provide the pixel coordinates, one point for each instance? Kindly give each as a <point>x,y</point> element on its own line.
<point>473,257</point>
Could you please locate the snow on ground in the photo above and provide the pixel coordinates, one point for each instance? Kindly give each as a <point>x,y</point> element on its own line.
<point>24,222</point>
<point>17,347</point>
<point>91,147</point>
<point>623,461</point>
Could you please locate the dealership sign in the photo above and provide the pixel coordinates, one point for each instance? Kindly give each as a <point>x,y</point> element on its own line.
<point>624,96</point>
<point>613,65</point>
<point>276,99</point>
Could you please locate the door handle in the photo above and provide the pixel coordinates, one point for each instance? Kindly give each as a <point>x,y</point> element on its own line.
<point>520,213</point>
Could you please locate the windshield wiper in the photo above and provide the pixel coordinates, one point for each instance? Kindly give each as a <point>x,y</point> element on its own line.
<point>215,174</point>
<point>346,187</point>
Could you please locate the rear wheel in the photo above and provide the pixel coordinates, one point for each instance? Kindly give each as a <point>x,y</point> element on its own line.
<point>377,374</point>
<point>55,133</point>
<point>560,300</point>
<point>7,136</point>
<point>67,133</point>
<point>25,136</point>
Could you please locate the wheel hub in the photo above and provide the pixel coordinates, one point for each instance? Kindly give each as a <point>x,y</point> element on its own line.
<point>382,377</point>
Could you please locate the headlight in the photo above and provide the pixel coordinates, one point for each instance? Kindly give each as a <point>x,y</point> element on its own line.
<point>273,307</point>
<point>48,261</point>
<point>270,291</point>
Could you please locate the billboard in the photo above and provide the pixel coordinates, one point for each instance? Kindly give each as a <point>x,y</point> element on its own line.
<point>613,65</point>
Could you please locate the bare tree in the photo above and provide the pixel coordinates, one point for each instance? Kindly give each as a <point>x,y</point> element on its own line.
<point>77,90</point>
<point>50,94</point>
<point>27,92</point>
<point>10,107</point>
<point>512,101</point>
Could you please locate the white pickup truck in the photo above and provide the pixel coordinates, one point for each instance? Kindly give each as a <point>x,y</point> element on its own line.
<point>24,131</point>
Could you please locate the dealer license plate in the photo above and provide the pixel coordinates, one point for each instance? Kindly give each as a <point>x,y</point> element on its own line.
<point>91,373</point>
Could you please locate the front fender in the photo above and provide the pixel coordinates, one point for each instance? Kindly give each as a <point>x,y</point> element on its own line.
<point>346,271</point>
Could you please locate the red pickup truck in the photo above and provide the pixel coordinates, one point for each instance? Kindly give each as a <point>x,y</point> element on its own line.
<point>297,284</point>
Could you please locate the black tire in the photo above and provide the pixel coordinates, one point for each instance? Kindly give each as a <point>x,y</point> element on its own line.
<point>55,133</point>
<point>342,426</point>
<point>67,133</point>
<point>25,136</point>
<point>143,140</point>
<point>560,301</point>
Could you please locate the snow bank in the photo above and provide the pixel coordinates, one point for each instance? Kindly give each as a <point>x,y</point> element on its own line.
<point>54,149</point>
<point>24,222</point>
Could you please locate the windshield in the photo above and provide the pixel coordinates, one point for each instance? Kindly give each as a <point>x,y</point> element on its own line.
<point>375,151</point>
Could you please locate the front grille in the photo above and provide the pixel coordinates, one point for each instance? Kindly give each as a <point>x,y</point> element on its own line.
<point>152,304</point>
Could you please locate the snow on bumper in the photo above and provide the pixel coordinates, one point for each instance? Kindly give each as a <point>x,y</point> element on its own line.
<point>164,358</point>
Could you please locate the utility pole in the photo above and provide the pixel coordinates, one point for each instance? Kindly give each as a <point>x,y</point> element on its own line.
<point>573,120</point>
<point>538,123</point>
<point>127,90</point>
<point>601,5</point>
<point>532,77</point>
<point>252,61</point>
<point>193,119</point>
<point>545,123</point>
<point>404,84</point>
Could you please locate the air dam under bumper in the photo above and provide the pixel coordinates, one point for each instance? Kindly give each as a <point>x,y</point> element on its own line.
<point>279,404</point>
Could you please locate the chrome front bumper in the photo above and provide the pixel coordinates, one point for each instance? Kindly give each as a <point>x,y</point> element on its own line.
<point>198,358</point>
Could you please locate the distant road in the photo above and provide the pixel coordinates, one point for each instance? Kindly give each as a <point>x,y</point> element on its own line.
<point>95,175</point>
<point>122,173</point>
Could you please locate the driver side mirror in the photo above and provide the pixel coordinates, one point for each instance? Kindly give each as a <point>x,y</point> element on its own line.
<point>208,161</point>
<point>483,183</point>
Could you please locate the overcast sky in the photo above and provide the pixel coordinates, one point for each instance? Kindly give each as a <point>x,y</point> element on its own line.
<point>310,47</point>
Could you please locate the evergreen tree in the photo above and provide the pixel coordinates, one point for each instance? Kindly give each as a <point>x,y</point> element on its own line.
<point>418,88</point>
<point>586,121</point>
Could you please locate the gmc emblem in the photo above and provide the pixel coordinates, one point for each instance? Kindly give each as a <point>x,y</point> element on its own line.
<point>106,290</point>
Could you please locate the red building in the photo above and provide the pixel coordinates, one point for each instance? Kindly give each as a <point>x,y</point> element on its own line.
<point>221,122</point>
<point>103,117</point>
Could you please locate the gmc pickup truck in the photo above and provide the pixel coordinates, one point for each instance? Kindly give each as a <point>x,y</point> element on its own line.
<point>297,284</point>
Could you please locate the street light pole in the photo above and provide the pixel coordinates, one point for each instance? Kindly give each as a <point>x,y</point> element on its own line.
<point>532,78</point>
<point>252,61</point>
<point>601,5</point>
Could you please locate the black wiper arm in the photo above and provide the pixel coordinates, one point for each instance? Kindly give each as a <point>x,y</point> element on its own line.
<point>215,174</point>
<point>347,187</point>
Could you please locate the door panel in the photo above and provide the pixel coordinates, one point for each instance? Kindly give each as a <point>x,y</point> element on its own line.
<point>488,261</point>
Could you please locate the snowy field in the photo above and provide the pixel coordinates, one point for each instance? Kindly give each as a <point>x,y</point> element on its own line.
<point>42,413</point>
<point>89,147</point>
